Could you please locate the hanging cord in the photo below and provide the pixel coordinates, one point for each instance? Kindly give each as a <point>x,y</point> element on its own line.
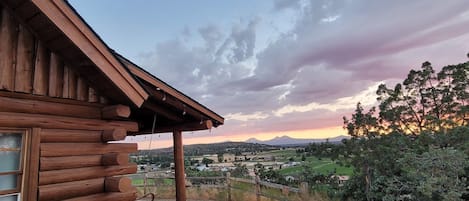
<point>152,131</point>
<point>146,195</point>
<point>145,187</point>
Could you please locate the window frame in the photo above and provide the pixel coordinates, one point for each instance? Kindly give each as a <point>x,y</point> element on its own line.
<point>21,172</point>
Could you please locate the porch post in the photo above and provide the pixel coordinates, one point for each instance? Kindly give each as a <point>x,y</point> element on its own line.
<point>179,166</point>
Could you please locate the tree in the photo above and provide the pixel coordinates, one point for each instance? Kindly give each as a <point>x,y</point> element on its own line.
<point>362,124</point>
<point>207,161</point>
<point>240,171</point>
<point>421,129</point>
<point>426,100</point>
<point>435,174</point>
<point>220,157</point>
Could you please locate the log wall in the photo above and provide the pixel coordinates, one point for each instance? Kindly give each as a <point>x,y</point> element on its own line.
<point>72,155</point>
<point>78,164</point>
<point>28,66</point>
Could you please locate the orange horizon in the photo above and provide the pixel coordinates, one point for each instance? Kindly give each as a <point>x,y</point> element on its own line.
<point>322,133</point>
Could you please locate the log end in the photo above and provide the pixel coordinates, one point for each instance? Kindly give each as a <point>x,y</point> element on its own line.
<point>114,135</point>
<point>118,184</point>
<point>115,159</point>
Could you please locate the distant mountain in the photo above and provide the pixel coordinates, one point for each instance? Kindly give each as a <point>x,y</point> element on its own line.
<point>285,140</point>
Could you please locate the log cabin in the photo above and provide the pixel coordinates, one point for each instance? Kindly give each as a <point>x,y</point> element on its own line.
<point>65,97</point>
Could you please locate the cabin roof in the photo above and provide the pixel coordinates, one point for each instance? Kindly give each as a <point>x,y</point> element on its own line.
<point>160,85</point>
<point>63,30</point>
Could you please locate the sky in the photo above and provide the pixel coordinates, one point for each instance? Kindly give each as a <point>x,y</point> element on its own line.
<point>279,67</point>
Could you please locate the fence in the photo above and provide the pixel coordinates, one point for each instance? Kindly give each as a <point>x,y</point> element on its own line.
<point>230,185</point>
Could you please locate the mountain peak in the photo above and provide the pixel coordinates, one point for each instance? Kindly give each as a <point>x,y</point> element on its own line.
<point>253,140</point>
<point>287,140</point>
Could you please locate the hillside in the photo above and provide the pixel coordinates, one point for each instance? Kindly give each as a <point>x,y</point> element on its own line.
<point>286,140</point>
<point>223,147</point>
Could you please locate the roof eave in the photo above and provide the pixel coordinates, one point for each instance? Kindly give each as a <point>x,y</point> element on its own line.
<point>73,27</point>
<point>157,83</point>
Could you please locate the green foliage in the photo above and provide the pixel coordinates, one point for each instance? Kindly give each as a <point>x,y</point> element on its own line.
<point>269,174</point>
<point>430,166</point>
<point>435,174</point>
<point>417,147</point>
<point>192,172</point>
<point>362,124</point>
<point>240,171</point>
<point>207,161</point>
<point>426,100</point>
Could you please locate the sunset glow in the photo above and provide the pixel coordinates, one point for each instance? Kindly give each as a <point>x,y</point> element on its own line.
<point>275,68</point>
<point>164,140</point>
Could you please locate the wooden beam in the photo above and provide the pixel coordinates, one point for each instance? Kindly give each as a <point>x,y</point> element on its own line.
<point>68,135</point>
<point>48,108</point>
<point>76,174</point>
<point>159,110</point>
<point>73,149</point>
<point>50,99</point>
<point>41,70</point>
<point>114,135</point>
<point>179,166</point>
<point>33,163</point>
<point>164,98</point>
<point>73,189</point>
<point>171,91</point>
<point>115,112</point>
<point>70,162</point>
<point>55,76</point>
<point>24,61</point>
<point>82,89</point>
<point>72,83</point>
<point>191,126</point>
<point>65,135</point>
<point>92,95</point>
<point>73,27</point>
<point>9,119</point>
<point>129,196</point>
<point>118,184</point>
<point>66,82</point>
<point>8,38</point>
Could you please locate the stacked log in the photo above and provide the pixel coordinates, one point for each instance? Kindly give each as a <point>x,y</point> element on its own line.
<point>83,165</point>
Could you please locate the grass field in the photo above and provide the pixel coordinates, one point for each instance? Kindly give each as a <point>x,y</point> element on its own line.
<point>323,166</point>
<point>139,181</point>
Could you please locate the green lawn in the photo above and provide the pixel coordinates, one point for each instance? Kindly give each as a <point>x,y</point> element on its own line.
<point>323,166</point>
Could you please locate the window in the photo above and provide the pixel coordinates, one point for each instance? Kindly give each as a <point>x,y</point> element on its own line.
<point>11,165</point>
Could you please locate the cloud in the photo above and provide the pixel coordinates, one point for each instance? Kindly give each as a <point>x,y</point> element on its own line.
<point>246,117</point>
<point>312,74</point>
<point>366,97</point>
<point>285,4</point>
<point>239,46</point>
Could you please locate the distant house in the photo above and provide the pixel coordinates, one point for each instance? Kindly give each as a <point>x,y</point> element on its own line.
<point>228,158</point>
<point>64,96</point>
<point>341,178</point>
